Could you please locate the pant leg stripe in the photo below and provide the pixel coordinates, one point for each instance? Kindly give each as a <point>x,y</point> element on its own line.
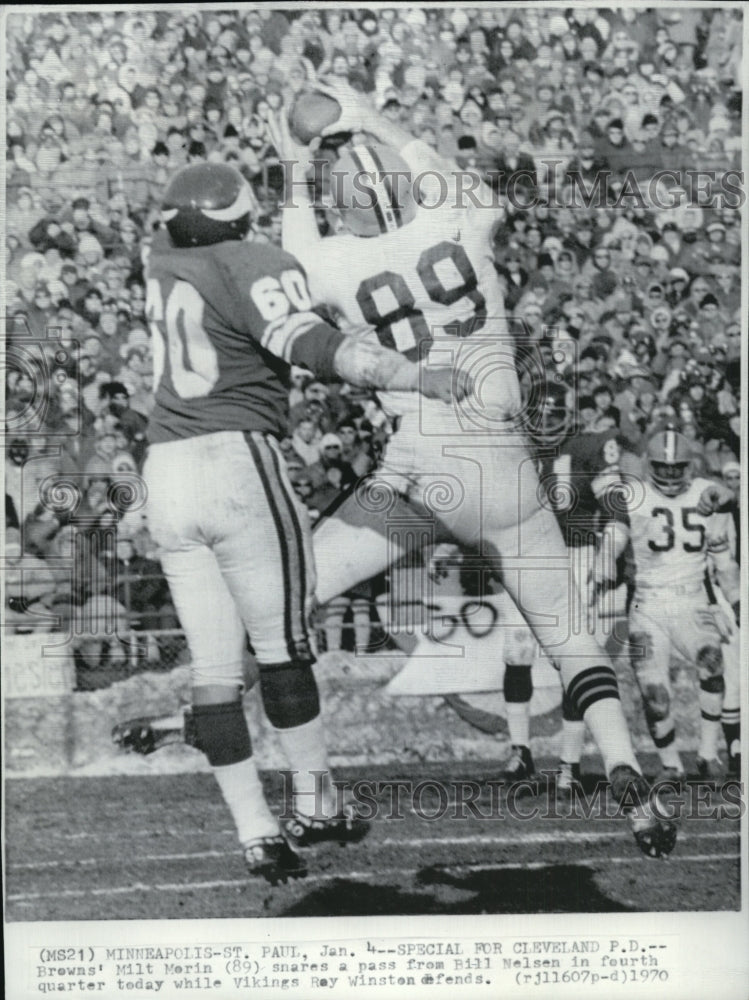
<point>252,444</point>
<point>299,623</point>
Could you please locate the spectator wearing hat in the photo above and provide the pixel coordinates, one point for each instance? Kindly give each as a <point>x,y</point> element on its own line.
<point>728,289</point>
<point>115,400</point>
<point>710,318</point>
<point>81,215</point>
<point>699,287</point>
<point>137,366</point>
<point>615,148</point>
<point>719,252</point>
<point>90,305</point>
<point>672,148</point>
<point>678,280</point>
<point>330,472</point>
<point>598,268</point>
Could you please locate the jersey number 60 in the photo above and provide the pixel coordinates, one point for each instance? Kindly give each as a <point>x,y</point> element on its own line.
<point>177,330</point>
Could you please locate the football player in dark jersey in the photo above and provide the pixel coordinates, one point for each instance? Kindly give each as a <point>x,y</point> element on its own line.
<point>228,319</point>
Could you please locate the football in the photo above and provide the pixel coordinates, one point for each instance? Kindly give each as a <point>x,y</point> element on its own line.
<point>310,113</point>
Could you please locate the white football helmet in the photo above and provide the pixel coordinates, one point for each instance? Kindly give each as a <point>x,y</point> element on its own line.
<point>669,459</point>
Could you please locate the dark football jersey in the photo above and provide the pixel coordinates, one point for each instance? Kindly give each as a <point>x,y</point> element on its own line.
<point>590,455</point>
<point>227,322</point>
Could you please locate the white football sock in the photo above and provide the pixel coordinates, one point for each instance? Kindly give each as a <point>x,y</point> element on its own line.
<point>608,726</point>
<point>519,722</point>
<point>304,747</point>
<point>711,704</point>
<point>573,738</point>
<point>243,793</point>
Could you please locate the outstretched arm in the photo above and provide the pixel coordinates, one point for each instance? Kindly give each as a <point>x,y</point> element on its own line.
<point>300,235</point>
<point>364,362</point>
<point>358,114</point>
<point>727,572</point>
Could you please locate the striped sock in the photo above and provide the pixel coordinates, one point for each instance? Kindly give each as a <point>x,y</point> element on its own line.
<point>594,693</point>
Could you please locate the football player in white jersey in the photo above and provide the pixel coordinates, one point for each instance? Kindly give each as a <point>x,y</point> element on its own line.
<point>675,526</point>
<point>423,277</point>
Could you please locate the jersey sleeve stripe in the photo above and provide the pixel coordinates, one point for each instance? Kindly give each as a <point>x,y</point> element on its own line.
<point>281,333</point>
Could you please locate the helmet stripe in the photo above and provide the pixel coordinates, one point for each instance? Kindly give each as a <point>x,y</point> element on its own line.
<point>394,203</point>
<point>670,446</point>
<point>241,205</point>
<point>384,214</point>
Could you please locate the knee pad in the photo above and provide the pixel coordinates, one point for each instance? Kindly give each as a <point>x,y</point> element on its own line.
<point>289,692</point>
<point>518,685</point>
<point>221,733</point>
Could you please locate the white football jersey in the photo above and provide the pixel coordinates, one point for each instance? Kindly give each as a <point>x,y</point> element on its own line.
<point>670,540</point>
<point>432,278</point>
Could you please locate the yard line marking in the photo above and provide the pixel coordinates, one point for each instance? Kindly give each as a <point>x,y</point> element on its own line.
<point>358,875</point>
<point>182,832</point>
<point>567,836</point>
<point>479,841</point>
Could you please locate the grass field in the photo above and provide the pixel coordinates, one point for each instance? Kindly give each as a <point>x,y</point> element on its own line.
<point>163,847</point>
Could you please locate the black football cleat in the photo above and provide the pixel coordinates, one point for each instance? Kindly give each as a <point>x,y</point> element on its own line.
<point>273,859</point>
<point>710,770</point>
<point>656,838</point>
<point>520,766</point>
<point>145,735</point>
<point>345,828</point>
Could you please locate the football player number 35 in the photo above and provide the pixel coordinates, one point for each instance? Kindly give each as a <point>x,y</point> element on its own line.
<point>193,361</point>
<point>388,303</point>
<point>667,536</point>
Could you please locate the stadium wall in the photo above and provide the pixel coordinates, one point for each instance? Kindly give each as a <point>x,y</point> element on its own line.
<point>51,729</point>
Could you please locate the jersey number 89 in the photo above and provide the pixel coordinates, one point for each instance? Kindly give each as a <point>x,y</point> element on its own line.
<point>403,327</point>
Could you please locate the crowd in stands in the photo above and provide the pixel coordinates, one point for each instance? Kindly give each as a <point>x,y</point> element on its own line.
<point>631,291</point>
